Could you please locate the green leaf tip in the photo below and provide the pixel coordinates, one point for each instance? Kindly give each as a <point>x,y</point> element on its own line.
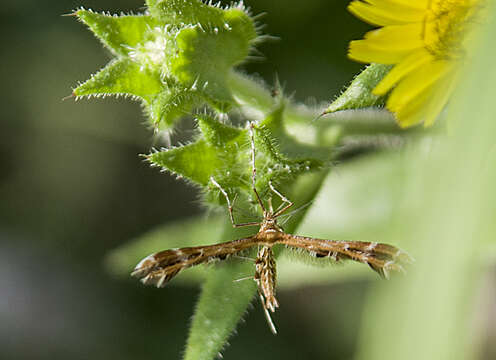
<point>119,34</point>
<point>121,77</point>
<point>196,161</point>
<point>177,56</point>
<point>359,94</point>
<point>215,132</point>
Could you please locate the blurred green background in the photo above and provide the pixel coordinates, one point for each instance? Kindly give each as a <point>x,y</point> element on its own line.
<point>72,188</point>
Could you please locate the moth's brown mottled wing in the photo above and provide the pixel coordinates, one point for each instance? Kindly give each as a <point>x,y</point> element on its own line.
<point>380,257</point>
<point>157,269</point>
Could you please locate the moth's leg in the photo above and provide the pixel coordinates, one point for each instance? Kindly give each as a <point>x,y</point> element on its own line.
<point>244,258</point>
<point>244,278</point>
<point>288,202</point>
<point>230,207</point>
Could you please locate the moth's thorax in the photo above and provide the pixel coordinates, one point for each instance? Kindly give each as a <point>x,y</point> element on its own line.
<point>269,231</point>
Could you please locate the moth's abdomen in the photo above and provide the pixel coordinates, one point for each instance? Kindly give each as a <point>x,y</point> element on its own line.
<point>266,277</point>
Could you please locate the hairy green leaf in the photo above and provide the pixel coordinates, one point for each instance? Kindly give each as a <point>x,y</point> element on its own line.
<point>196,161</point>
<point>206,56</point>
<point>359,94</point>
<point>176,58</point>
<point>119,34</point>
<point>173,102</point>
<point>179,12</point>
<point>216,133</point>
<point>122,77</point>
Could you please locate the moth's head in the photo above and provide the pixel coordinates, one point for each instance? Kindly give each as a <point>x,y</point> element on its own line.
<point>270,225</point>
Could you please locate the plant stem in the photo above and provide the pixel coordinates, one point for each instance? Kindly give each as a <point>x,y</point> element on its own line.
<point>255,97</point>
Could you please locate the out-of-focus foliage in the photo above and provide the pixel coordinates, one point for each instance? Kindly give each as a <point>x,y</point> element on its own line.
<point>448,215</point>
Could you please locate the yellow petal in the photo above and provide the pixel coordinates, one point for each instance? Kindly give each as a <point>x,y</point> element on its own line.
<point>427,106</point>
<point>397,36</point>
<point>383,16</point>
<point>416,83</point>
<point>363,51</point>
<point>413,112</point>
<point>442,94</point>
<point>401,5</point>
<point>409,64</point>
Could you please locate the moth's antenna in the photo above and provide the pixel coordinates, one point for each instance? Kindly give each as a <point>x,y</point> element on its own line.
<point>230,206</point>
<point>253,168</point>
<point>289,203</point>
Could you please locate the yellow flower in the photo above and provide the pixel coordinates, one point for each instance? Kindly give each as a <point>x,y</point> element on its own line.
<point>426,40</point>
